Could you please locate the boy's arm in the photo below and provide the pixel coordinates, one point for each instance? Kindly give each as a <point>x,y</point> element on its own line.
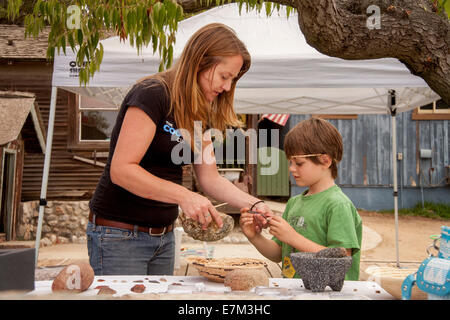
<point>284,232</point>
<point>267,247</point>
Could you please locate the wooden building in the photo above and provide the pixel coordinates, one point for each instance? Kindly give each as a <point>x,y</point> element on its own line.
<point>24,67</point>
<point>423,157</point>
<point>21,132</point>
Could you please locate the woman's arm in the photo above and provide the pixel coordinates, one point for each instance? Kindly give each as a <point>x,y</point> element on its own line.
<point>218,187</point>
<point>136,134</point>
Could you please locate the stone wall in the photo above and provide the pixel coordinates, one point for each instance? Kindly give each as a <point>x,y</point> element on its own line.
<point>64,222</point>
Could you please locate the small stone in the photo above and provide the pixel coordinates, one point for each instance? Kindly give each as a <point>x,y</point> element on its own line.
<point>51,217</point>
<point>84,205</point>
<point>244,280</point>
<point>59,211</point>
<point>62,240</point>
<point>52,223</point>
<point>69,210</point>
<point>53,238</point>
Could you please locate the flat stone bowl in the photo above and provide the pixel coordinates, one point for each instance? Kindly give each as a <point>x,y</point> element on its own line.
<point>319,272</point>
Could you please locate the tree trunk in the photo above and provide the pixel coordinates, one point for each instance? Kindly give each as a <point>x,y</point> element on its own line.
<point>411,31</point>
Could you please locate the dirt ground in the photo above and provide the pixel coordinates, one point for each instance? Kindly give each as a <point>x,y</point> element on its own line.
<point>414,238</point>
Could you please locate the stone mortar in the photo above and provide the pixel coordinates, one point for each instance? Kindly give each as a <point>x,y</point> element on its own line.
<point>317,273</point>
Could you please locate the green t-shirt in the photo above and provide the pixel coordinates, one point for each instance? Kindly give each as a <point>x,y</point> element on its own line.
<point>328,218</point>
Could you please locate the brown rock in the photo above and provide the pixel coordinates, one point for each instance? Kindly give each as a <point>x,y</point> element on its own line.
<point>75,277</point>
<point>212,233</point>
<point>244,280</point>
<point>139,288</point>
<point>105,290</point>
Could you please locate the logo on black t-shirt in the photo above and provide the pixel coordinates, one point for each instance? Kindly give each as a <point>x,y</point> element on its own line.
<point>168,127</point>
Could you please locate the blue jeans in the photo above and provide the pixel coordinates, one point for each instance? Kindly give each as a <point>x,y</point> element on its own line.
<point>115,251</point>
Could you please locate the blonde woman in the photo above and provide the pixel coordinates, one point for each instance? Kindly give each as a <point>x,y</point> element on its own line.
<point>137,198</point>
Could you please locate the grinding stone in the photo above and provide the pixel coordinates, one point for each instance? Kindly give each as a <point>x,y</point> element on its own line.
<point>331,253</point>
<point>319,272</point>
<point>212,232</point>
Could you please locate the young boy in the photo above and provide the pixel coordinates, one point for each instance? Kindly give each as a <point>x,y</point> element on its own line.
<point>323,216</point>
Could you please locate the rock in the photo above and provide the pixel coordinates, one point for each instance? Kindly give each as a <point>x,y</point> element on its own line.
<point>244,280</point>
<point>69,210</point>
<point>212,233</point>
<point>52,223</point>
<point>84,205</point>
<point>72,226</point>
<point>45,242</point>
<point>58,211</point>
<point>51,217</point>
<point>62,240</point>
<point>53,238</point>
<point>76,277</point>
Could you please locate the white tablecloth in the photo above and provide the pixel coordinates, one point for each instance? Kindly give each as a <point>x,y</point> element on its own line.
<point>278,288</point>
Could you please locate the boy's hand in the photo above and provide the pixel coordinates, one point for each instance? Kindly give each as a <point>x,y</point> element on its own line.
<point>281,229</point>
<point>248,225</point>
<point>262,220</point>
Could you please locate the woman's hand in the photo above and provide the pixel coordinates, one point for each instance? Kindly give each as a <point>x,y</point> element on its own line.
<point>199,208</point>
<point>282,230</point>
<point>248,224</point>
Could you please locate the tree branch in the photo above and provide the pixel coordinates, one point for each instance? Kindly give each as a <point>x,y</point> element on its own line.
<point>410,31</point>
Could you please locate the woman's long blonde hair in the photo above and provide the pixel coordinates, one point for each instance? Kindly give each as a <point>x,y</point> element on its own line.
<point>204,50</point>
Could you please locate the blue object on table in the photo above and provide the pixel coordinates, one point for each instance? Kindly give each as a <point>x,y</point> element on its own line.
<point>444,250</point>
<point>433,275</point>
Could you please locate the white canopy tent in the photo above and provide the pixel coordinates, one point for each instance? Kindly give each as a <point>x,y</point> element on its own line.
<point>287,76</point>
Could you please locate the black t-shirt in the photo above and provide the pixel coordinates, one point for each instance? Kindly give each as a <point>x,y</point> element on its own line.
<point>114,202</point>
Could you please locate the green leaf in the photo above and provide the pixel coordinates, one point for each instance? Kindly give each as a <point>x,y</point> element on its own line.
<point>170,56</point>
<point>80,37</point>
<point>154,42</point>
<point>268,6</point>
<point>71,41</point>
<point>106,19</point>
<point>63,44</point>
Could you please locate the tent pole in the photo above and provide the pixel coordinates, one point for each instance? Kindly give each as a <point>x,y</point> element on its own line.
<point>392,108</point>
<point>48,152</point>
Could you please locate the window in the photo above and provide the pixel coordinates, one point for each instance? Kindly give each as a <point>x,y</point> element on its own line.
<point>90,123</point>
<point>437,110</point>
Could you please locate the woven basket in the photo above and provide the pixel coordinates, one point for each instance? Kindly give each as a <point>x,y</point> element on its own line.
<point>217,269</point>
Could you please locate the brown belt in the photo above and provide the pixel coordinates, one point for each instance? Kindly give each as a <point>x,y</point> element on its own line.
<point>122,225</point>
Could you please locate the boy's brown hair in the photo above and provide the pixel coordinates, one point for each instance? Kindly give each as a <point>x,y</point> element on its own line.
<point>315,136</point>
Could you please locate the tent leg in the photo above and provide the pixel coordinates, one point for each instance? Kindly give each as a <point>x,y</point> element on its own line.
<point>48,152</point>
<point>394,165</point>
